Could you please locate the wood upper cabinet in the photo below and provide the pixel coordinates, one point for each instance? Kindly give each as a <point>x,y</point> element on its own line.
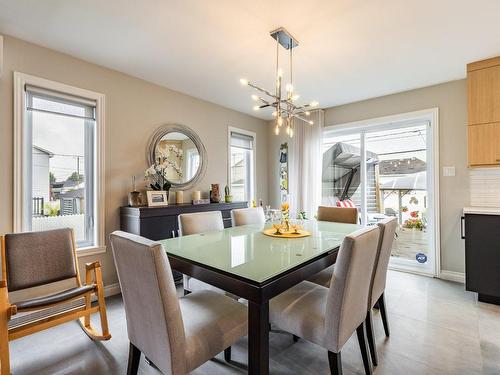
<point>484,95</point>
<point>483,83</point>
<point>484,144</point>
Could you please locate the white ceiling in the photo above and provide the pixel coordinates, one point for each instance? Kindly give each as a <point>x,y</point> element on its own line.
<point>349,49</point>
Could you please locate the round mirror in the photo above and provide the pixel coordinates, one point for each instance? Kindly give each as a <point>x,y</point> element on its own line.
<point>180,149</point>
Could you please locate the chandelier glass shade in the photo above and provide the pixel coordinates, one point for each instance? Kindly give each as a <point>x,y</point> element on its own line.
<point>284,102</point>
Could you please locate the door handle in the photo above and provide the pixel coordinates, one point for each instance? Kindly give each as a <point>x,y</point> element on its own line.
<point>462,227</point>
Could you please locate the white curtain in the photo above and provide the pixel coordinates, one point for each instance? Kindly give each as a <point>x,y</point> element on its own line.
<point>306,166</point>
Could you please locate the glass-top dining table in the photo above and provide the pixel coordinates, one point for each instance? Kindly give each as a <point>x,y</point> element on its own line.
<point>245,262</point>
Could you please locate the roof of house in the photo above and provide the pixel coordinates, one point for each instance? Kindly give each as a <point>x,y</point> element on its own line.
<point>76,193</point>
<point>43,150</point>
<point>402,166</point>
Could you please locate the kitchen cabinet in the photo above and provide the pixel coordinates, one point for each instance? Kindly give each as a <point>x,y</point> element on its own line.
<point>483,104</point>
<point>482,253</point>
<point>484,144</point>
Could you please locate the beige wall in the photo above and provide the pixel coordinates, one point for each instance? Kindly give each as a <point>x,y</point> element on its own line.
<point>134,109</point>
<point>454,191</point>
<point>451,99</point>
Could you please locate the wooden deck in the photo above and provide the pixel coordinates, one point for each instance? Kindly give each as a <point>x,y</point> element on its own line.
<point>409,242</point>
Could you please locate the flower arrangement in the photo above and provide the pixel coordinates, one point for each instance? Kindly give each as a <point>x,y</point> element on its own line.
<point>156,174</point>
<point>285,215</point>
<point>414,221</point>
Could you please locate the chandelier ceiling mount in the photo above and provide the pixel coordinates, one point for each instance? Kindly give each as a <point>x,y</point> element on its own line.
<point>286,110</point>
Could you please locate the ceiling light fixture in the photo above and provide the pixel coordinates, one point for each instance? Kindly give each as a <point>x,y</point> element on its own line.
<point>285,110</point>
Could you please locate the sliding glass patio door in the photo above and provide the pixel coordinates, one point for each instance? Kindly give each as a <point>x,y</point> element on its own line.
<point>386,170</point>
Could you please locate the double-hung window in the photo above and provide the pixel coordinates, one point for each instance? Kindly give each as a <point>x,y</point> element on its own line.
<point>242,164</point>
<point>59,178</point>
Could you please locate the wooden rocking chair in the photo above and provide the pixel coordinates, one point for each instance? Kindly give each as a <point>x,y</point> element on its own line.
<point>33,259</point>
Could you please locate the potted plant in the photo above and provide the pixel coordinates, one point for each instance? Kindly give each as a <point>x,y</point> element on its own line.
<point>228,198</point>
<point>415,222</point>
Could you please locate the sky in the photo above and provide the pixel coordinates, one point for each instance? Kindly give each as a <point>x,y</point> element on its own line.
<point>64,137</point>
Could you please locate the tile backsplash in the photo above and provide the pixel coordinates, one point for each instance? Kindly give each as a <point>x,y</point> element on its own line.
<point>485,187</point>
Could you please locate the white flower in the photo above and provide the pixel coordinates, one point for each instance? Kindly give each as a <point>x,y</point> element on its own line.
<point>150,171</point>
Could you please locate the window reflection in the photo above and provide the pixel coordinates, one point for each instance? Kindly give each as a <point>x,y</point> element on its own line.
<point>238,250</point>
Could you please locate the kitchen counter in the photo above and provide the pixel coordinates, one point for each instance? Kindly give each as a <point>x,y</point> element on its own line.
<point>482,210</point>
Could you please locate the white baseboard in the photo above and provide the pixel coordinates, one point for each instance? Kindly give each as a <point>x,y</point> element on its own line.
<point>111,290</point>
<point>457,277</point>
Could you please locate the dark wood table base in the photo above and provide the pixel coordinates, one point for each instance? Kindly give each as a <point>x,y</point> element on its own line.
<point>258,296</point>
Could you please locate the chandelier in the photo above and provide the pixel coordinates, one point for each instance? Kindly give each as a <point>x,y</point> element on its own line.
<point>285,108</point>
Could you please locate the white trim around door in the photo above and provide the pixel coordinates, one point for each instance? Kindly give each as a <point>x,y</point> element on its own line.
<point>431,116</point>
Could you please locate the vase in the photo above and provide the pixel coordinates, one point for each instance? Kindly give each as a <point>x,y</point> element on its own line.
<point>135,199</point>
<point>285,222</point>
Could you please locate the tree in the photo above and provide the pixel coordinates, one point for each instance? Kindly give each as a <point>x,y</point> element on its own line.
<point>52,178</point>
<point>75,177</point>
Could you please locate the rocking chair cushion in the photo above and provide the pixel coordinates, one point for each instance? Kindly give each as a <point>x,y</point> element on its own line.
<point>45,301</point>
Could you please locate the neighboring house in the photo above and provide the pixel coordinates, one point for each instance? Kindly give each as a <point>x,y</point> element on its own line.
<point>72,201</point>
<point>40,177</point>
<point>402,166</point>
<point>56,189</point>
<point>71,195</point>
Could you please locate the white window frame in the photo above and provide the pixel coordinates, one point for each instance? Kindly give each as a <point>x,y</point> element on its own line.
<point>20,82</point>
<point>190,152</point>
<point>230,129</point>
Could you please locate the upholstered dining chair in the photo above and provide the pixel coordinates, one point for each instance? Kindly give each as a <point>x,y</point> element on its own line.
<point>329,316</point>
<point>247,216</point>
<point>348,215</point>
<point>387,231</point>
<point>35,259</point>
<point>176,334</point>
<point>338,214</point>
<point>199,223</point>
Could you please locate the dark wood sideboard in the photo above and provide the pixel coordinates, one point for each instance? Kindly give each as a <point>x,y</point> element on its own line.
<point>158,223</point>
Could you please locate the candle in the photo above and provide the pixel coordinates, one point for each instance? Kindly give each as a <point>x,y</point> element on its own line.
<point>179,197</point>
<point>196,195</point>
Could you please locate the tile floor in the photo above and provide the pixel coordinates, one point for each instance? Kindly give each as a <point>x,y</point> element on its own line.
<point>436,328</point>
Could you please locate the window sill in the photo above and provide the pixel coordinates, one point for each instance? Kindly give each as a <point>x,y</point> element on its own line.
<point>90,250</point>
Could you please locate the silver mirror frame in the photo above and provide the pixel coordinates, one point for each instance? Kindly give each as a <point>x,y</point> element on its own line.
<point>177,128</point>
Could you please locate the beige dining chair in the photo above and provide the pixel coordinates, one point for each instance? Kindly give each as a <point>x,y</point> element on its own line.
<point>329,316</point>
<point>247,216</point>
<point>176,334</point>
<point>347,215</point>
<point>387,230</point>
<point>199,223</point>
